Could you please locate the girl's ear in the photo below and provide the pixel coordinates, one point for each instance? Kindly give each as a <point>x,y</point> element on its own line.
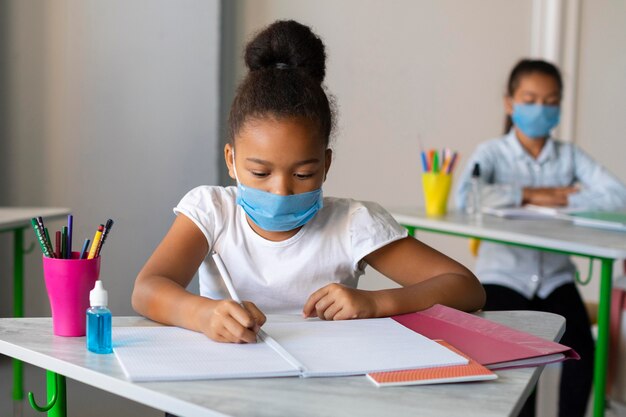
<point>228,157</point>
<point>508,105</point>
<point>328,159</point>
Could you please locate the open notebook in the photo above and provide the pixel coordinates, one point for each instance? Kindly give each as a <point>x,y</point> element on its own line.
<point>530,211</point>
<point>612,220</point>
<point>324,348</point>
<point>489,343</point>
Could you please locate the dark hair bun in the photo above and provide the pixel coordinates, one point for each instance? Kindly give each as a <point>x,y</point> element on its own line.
<point>287,44</point>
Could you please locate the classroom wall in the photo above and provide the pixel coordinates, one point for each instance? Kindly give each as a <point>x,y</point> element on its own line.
<point>114,114</point>
<point>109,108</point>
<point>399,69</point>
<point>600,122</point>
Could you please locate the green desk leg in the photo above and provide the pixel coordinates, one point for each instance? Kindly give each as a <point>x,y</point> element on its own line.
<point>18,304</point>
<point>57,403</point>
<point>59,409</point>
<point>602,345</point>
<point>18,308</point>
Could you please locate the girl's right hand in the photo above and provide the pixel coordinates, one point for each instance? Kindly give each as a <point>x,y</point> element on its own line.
<point>227,321</point>
<point>553,196</point>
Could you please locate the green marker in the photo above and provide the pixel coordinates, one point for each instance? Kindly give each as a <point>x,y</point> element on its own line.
<point>40,237</point>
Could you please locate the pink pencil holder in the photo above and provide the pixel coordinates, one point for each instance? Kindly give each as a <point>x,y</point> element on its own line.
<point>68,282</point>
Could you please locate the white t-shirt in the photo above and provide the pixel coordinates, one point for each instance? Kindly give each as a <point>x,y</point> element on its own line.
<point>280,276</point>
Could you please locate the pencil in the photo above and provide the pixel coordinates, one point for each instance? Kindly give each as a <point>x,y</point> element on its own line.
<point>269,340</point>
<point>83,251</point>
<point>57,244</point>
<point>105,233</point>
<point>95,241</point>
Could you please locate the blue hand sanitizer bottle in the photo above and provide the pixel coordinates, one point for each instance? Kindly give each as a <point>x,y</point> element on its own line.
<point>99,321</point>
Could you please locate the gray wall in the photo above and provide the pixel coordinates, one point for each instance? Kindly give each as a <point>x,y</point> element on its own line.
<point>114,113</point>
<point>109,108</point>
<point>600,121</point>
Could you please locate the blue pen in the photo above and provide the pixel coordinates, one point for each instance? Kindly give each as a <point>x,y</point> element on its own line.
<point>424,161</point>
<point>70,224</point>
<point>83,251</point>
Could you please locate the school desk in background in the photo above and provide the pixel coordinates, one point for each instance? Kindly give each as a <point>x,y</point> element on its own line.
<point>596,244</point>
<point>437,179</point>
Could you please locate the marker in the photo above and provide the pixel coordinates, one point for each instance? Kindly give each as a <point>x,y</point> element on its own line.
<point>105,233</point>
<point>57,246</point>
<point>70,227</point>
<point>83,251</point>
<point>64,242</point>
<point>431,157</point>
<point>46,236</point>
<point>40,238</point>
<point>424,161</point>
<point>451,164</point>
<point>48,241</point>
<point>94,242</point>
<point>422,153</point>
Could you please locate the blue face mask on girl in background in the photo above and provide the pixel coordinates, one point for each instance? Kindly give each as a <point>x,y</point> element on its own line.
<point>277,213</point>
<point>535,120</point>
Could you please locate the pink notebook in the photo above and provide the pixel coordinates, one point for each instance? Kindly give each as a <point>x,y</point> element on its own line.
<point>473,371</point>
<point>491,344</point>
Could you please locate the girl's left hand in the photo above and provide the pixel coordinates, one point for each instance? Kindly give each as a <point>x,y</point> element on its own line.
<point>338,302</point>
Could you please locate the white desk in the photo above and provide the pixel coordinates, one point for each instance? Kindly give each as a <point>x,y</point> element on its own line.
<point>548,235</point>
<point>31,340</point>
<point>16,219</point>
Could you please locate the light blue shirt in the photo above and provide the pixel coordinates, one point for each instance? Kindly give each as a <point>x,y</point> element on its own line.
<point>506,168</point>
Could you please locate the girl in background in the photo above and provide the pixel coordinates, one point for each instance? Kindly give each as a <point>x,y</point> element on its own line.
<point>528,166</point>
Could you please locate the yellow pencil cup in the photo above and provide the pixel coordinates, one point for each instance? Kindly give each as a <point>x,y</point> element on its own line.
<point>436,190</point>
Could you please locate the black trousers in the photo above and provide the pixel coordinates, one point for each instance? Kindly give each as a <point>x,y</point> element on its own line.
<point>576,375</point>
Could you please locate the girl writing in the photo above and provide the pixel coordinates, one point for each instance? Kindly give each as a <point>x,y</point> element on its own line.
<point>528,166</point>
<point>287,248</point>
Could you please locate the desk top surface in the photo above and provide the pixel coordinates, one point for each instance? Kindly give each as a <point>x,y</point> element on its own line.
<point>551,234</point>
<point>12,217</point>
<point>31,340</point>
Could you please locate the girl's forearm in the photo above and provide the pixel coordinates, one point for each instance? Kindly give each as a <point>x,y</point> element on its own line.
<point>453,290</point>
<point>161,299</point>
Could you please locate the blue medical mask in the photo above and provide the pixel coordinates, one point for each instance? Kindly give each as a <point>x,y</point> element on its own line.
<point>277,213</point>
<point>535,120</point>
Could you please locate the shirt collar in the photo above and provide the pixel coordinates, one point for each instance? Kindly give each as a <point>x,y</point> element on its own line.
<point>548,152</point>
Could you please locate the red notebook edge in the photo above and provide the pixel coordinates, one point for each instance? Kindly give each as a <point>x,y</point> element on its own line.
<point>487,342</point>
<point>471,372</point>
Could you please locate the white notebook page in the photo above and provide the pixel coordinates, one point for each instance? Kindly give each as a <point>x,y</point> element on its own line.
<point>355,347</point>
<point>172,353</point>
<point>325,348</point>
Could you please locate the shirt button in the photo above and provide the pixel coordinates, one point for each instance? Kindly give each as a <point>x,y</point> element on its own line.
<point>534,278</point>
